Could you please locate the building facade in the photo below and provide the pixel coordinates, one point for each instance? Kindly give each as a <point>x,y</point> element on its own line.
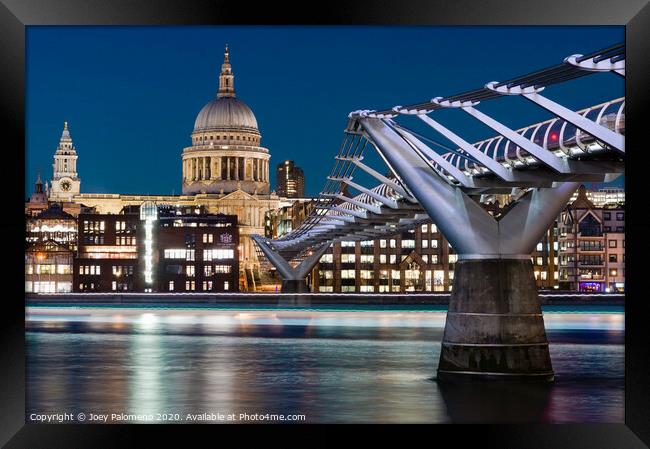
<point>50,248</point>
<point>108,258</point>
<point>196,252</point>
<point>420,259</point>
<point>283,220</point>
<point>290,180</point>
<point>592,246</point>
<point>152,248</point>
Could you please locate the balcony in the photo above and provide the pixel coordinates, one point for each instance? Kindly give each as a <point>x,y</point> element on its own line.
<point>591,250</point>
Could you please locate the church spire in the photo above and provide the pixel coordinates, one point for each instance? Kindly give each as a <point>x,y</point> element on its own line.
<point>65,136</point>
<point>39,184</point>
<point>226,78</point>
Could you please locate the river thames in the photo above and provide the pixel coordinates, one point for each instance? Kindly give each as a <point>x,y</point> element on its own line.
<point>347,364</point>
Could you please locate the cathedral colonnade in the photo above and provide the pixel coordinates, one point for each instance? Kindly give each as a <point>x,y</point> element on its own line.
<point>225,166</point>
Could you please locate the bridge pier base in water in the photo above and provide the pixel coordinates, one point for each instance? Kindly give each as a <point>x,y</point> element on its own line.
<point>494,327</point>
<point>294,286</point>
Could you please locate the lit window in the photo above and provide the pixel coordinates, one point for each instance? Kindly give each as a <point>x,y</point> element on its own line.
<point>226,285</point>
<point>171,286</point>
<point>408,243</point>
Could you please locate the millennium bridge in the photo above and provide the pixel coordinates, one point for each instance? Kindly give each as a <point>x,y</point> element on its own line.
<point>494,327</point>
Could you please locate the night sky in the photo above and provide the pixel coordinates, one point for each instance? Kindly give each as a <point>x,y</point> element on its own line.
<point>131,94</point>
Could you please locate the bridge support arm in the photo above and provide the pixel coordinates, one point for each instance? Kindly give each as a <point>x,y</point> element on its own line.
<point>293,278</point>
<point>468,227</point>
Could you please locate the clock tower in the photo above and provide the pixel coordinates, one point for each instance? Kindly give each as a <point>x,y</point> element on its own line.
<point>65,182</point>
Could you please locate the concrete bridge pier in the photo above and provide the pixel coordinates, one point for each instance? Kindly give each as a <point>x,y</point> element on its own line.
<point>293,278</point>
<point>494,327</point>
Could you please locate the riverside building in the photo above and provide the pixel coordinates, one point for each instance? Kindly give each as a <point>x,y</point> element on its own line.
<point>50,247</point>
<point>420,259</point>
<point>154,248</point>
<point>592,246</point>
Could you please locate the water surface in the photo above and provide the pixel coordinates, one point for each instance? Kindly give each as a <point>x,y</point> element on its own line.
<point>344,365</point>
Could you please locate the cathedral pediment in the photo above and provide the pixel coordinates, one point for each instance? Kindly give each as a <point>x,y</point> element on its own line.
<point>239,195</point>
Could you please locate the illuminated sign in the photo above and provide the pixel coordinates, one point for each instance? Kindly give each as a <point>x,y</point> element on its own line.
<point>149,214</point>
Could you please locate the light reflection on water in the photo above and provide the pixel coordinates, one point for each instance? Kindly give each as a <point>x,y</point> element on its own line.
<point>331,366</point>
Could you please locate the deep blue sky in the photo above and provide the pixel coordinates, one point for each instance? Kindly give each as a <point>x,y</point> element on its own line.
<point>131,94</point>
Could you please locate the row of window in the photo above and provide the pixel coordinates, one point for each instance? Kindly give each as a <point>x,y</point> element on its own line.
<point>190,254</point>
<point>190,286</point>
<point>412,274</point>
<point>122,240</point>
<point>121,227</point>
<point>385,258</point>
<point>193,224</point>
<point>94,226</point>
<point>48,287</point>
<point>93,270</point>
<point>608,216</point>
<point>190,270</point>
<point>227,137</point>
<point>122,270</point>
<point>48,269</point>
<point>540,260</point>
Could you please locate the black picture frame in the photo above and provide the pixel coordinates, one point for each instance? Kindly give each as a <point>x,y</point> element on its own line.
<point>15,15</point>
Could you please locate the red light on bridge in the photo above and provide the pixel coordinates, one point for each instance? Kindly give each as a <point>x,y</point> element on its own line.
<point>554,137</point>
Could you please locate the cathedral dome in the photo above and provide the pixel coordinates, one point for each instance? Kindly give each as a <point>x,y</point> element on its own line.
<point>226,113</point>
